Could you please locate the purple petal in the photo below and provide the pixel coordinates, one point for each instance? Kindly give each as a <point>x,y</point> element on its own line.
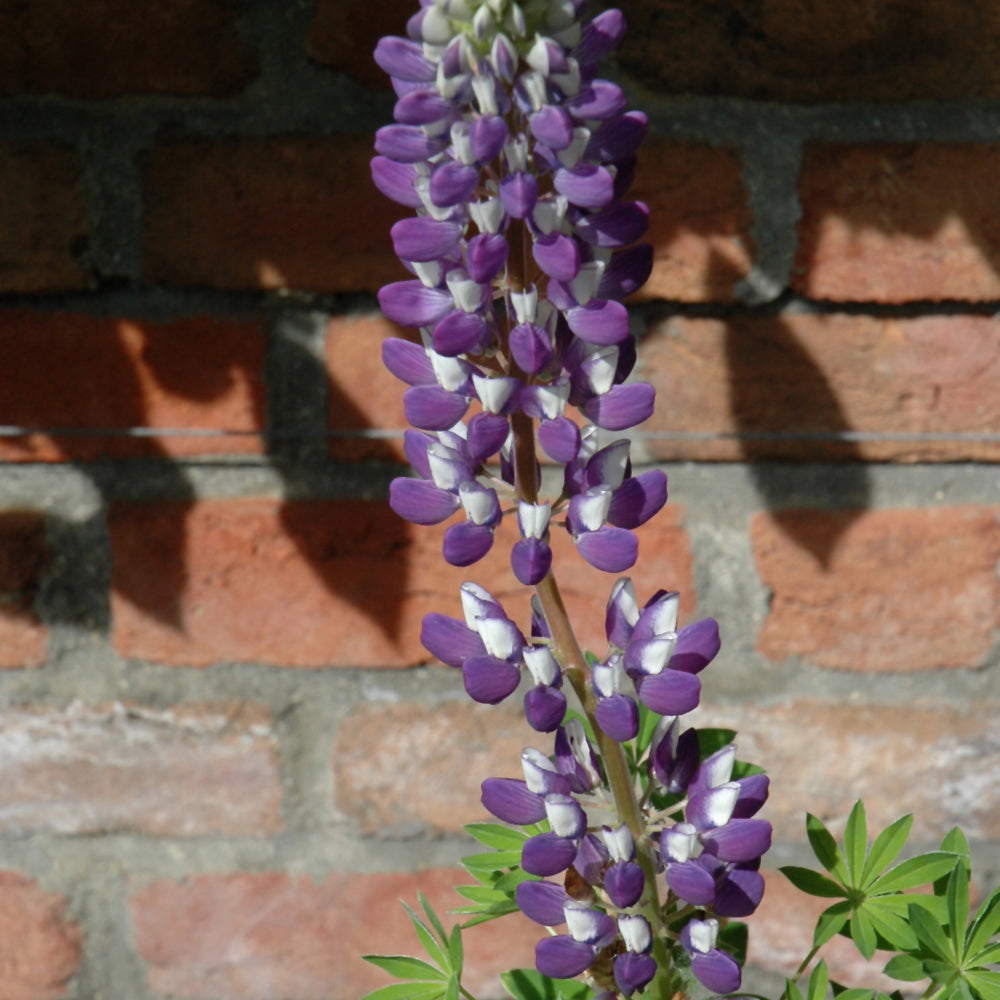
<point>486,434</point>
<point>420,501</point>
<point>675,770</point>
<point>552,126</point>
<point>560,438</point>
<point>590,925</point>
<point>557,255</point>
<point>547,854</point>
<point>614,226</point>
<point>600,36</point>
<point>716,970</point>
<point>627,271</point>
<point>622,407</point>
<point>601,321</point>
<point>422,107</point>
<point>424,238</point>
<point>618,716</point>
<point>601,100</point>
<point>586,185</point>
<point>530,559</point>
<point>624,882</point>
<point>638,499</point>
<point>618,138</point>
<point>624,175</point>
<point>739,840</point>
<point>561,957</point>
<point>670,692</point>
<point>531,347</point>
<point>518,193</point>
<point>612,550</point>
<point>754,790</point>
<point>415,444</point>
<point>592,859</point>
<point>449,639</point>
<point>697,645</point>
<point>407,143</point>
<point>432,408</point>
<point>487,137</point>
<point>409,303</point>
<point>489,680</point>
<point>634,972</point>
<point>395,181</point>
<point>510,800</point>
<point>542,902</point>
<point>460,333</point>
<point>559,295</point>
<point>739,893</point>
<point>485,256</point>
<point>691,881</point>
<point>408,362</point>
<point>452,183</point>
<point>544,708</point>
<point>466,543</point>
<point>404,59</point>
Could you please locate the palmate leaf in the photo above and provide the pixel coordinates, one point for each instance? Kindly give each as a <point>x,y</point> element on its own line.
<point>433,918</point>
<point>863,933</point>
<point>456,951</point>
<point>988,956</point>
<point>913,872</point>
<point>831,921</point>
<point>985,924</point>
<point>930,935</point>
<point>494,861</point>
<point>818,982</point>
<point>437,949</point>
<point>889,923</point>
<point>856,993</point>
<point>957,896</point>
<point>792,992</point>
<point>813,883</point>
<point>856,842</point>
<point>986,984</point>
<point>825,848</point>
<point>500,838</point>
<point>404,967</point>
<point>886,849</point>
<point>907,968</point>
<point>407,991</point>
<point>529,984</point>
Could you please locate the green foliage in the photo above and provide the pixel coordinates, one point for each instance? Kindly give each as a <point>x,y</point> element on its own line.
<point>528,984</point>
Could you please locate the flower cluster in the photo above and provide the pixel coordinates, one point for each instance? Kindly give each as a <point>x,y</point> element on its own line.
<point>516,158</point>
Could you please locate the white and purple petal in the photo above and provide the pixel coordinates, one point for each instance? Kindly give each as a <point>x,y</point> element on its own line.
<point>409,303</point>
<point>432,408</point>
<point>586,185</point>
<point>510,800</point>
<point>449,639</point>
<point>601,321</point>
<point>670,692</point>
<point>404,59</point>
<point>420,501</point>
<point>623,406</point>
<point>489,680</point>
<point>407,143</point>
<point>612,550</point>
<point>542,902</point>
<point>557,255</point>
<point>624,882</point>
<point>395,181</point>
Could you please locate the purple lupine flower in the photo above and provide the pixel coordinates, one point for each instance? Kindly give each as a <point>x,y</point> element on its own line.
<point>711,966</point>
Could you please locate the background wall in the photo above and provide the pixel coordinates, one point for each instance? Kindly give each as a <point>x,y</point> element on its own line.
<point>220,763</point>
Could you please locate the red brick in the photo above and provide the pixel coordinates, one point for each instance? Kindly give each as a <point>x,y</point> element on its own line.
<point>885,590</point>
<point>44,235</point>
<point>115,373</point>
<point>39,942</point>
<point>790,50</point>
<point>934,760</point>
<point>23,558</point>
<point>897,223</point>
<point>824,374</point>
<point>323,583</point>
<point>363,395</point>
<point>193,770</point>
<point>268,213</point>
<point>344,34</point>
<point>105,48</point>
<point>699,220</point>
<point>272,936</point>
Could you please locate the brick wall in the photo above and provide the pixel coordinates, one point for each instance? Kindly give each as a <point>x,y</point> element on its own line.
<point>223,760</point>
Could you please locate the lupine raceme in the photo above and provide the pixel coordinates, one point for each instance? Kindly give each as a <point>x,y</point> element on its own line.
<point>516,158</point>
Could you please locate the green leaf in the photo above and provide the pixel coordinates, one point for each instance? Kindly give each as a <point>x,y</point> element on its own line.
<point>710,740</point>
<point>986,984</point>
<point>930,934</point>
<point>908,968</point>
<point>501,838</point>
<point>487,914</point>
<point>954,842</point>
<point>647,726</point>
<point>988,956</point>
<point>889,924</point>
<point>451,993</point>
<point>916,871</point>
<point>825,848</point>
<point>818,981</point>
<point>406,991</point>
<point>481,894</point>
<point>792,992</point>
<point>734,938</point>
<point>856,994</point>
<point>863,933</point>
<point>985,923</point>
<point>886,848</point>
<point>856,842</point>
<point>433,919</point>
<point>831,921</point>
<point>958,909</point>
<point>404,967</point>
<point>456,951</point>
<point>813,883</point>
<point>529,984</point>
<point>430,944</point>
<point>494,861</point>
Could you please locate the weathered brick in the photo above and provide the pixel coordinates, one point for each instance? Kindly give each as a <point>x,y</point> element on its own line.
<point>344,34</point>
<point>43,240</point>
<point>114,374</point>
<point>272,936</point>
<point>39,942</point>
<point>106,48</point>
<point>267,213</point>
<point>23,558</point>
<point>883,590</point>
<point>789,50</point>
<point>322,583</point>
<point>792,383</point>
<point>934,760</point>
<point>193,770</point>
<point>699,220</point>
<point>364,396</point>
<point>896,223</point>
